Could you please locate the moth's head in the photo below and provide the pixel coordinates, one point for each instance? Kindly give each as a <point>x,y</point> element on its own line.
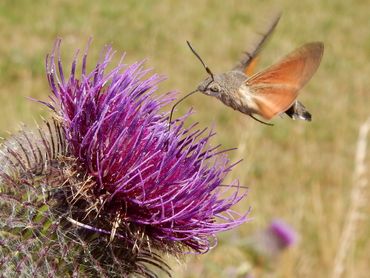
<point>210,86</point>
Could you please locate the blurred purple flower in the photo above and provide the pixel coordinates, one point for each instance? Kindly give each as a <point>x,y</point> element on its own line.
<point>284,234</point>
<point>267,245</point>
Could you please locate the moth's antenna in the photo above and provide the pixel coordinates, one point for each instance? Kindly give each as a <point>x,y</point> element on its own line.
<point>258,120</point>
<point>200,59</point>
<point>180,100</point>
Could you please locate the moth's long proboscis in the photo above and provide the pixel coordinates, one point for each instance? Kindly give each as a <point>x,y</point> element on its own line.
<point>180,100</point>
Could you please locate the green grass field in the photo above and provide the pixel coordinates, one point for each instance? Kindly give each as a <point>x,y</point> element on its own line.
<point>300,172</point>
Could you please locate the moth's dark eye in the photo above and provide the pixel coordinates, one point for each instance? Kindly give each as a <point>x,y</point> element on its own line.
<point>214,88</point>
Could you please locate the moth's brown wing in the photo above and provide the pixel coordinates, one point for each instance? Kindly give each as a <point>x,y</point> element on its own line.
<point>248,62</point>
<point>249,69</point>
<point>276,88</point>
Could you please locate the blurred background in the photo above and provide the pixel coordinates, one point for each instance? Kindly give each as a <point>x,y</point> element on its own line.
<point>300,172</point>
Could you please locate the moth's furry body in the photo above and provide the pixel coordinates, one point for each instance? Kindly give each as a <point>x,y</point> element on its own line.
<point>230,88</point>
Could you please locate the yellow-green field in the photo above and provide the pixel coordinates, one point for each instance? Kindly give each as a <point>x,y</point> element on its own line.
<point>300,172</point>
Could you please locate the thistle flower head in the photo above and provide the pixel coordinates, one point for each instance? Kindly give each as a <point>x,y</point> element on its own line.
<point>127,186</point>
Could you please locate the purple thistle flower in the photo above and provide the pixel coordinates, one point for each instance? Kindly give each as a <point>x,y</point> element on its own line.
<point>121,185</point>
<point>147,175</point>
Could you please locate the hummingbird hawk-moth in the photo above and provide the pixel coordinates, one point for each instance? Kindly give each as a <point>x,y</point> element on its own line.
<point>267,93</point>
